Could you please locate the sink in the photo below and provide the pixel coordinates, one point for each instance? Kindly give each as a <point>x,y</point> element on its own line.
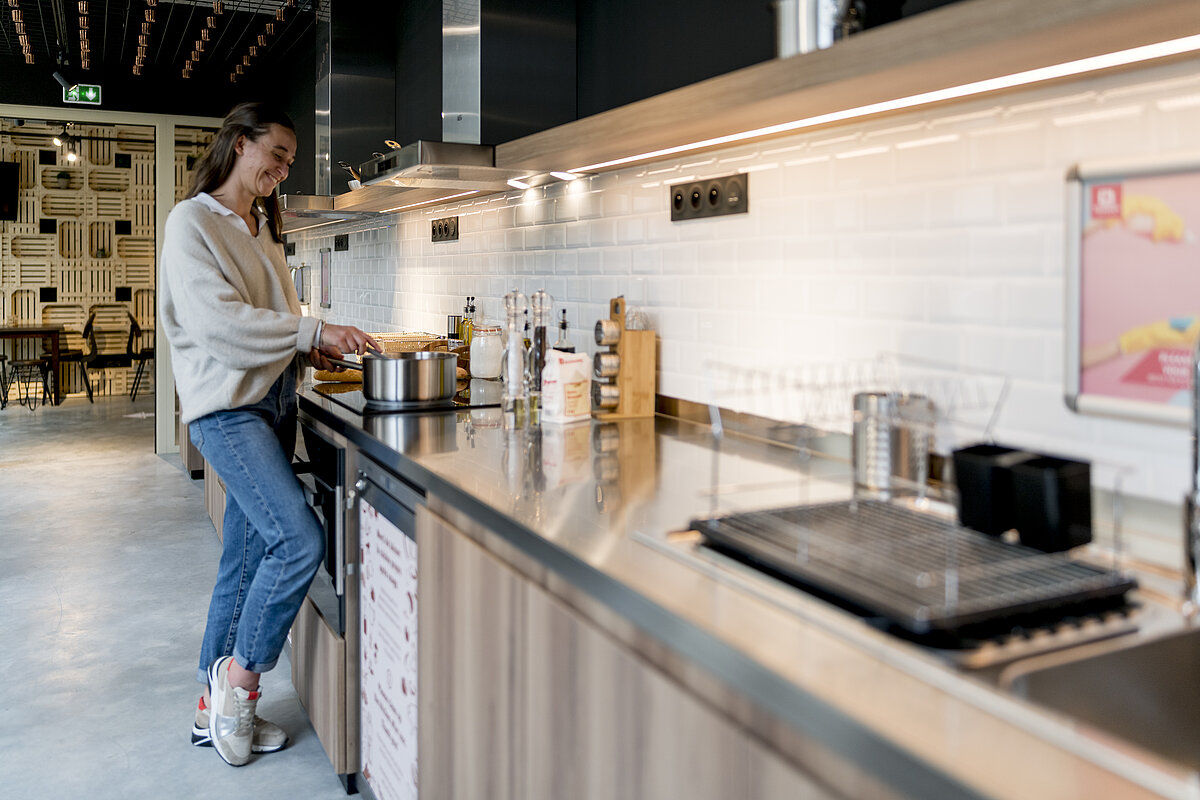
<point>1147,694</point>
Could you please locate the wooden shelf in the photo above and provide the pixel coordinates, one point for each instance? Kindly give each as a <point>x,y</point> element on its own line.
<point>969,41</point>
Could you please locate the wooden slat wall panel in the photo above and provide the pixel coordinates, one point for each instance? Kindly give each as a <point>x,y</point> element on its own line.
<point>85,259</point>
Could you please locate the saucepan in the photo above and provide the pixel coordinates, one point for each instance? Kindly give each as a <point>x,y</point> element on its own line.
<point>409,378</point>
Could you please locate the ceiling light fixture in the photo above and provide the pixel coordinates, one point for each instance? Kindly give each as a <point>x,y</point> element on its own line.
<point>148,18</point>
<point>1081,66</point>
<point>18,19</point>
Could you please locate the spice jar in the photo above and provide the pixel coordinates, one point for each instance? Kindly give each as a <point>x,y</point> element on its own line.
<point>487,351</point>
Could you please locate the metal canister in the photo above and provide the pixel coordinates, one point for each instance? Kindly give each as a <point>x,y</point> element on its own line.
<point>608,332</point>
<point>605,395</point>
<point>892,437</point>
<point>606,365</point>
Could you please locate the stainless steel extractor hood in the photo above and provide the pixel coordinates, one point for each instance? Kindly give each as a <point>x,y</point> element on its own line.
<point>426,172</point>
<point>303,211</point>
<point>438,165</point>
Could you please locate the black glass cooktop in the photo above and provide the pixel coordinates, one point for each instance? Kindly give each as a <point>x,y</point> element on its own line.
<point>478,394</point>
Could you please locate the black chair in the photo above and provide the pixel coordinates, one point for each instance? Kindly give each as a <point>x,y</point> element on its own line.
<point>96,358</point>
<point>73,355</point>
<point>3,381</point>
<point>138,351</point>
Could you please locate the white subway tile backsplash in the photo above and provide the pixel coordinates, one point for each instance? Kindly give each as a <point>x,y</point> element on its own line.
<point>1034,303</point>
<point>617,261</point>
<point>631,230</point>
<point>1012,250</point>
<point>961,204</point>
<point>646,261</point>
<point>1035,196</point>
<point>835,297</point>
<point>968,301</point>
<point>895,298</point>
<point>901,208</point>
<point>602,232</point>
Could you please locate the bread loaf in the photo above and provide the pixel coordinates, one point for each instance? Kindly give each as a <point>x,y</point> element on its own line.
<point>345,376</point>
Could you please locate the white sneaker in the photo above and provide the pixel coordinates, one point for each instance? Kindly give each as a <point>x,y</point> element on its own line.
<point>231,715</point>
<point>268,737</point>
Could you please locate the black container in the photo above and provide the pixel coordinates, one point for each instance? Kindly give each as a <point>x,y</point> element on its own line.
<point>1054,508</point>
<point>986,501</point>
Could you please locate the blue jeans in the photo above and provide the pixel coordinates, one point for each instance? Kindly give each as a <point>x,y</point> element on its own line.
<point>273,542</point>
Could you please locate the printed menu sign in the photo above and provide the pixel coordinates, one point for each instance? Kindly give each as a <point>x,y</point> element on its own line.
<point>1138,283</point>
<point>388,656</point>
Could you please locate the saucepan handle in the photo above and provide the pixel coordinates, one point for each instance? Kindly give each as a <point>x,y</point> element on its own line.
<point>341,362</point>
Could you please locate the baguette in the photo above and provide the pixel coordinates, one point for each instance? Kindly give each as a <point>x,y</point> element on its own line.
<point>345,376</point>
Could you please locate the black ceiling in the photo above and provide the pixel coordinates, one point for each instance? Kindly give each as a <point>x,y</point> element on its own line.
<point>164,55</point>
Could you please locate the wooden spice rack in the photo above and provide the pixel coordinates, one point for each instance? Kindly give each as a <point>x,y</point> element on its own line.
<point>635,377</point>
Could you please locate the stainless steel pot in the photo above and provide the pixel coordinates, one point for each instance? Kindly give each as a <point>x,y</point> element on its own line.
<point>412,378</point>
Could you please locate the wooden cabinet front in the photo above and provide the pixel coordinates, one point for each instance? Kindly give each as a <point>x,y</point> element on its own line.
<point>522,697</point>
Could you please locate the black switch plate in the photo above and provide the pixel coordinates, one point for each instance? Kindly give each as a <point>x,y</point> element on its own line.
<point>341,242</point>
<point>289,248</point>
<point>711,197</point>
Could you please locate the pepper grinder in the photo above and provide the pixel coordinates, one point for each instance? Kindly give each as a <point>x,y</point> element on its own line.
<point>515,391</point>
<point>543,310</point>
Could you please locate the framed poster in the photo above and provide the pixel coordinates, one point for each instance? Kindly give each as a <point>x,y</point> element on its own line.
<point>325,255</point>
<point>1133,287</point>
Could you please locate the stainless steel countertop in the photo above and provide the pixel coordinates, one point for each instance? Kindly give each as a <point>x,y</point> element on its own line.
<point>600,506</point>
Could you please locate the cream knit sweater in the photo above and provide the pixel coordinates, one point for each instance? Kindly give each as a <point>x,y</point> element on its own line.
<point>229,308</point>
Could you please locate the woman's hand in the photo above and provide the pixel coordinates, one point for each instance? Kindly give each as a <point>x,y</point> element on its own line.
<point>337,340</point>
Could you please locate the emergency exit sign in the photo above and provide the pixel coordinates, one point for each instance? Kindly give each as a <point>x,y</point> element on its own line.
<point>84,93</point>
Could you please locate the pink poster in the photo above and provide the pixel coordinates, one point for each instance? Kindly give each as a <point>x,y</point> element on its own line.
<point>1140,287</point>
<point>388,656</point>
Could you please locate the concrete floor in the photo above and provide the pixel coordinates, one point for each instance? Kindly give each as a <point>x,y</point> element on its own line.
<point>106,565</point>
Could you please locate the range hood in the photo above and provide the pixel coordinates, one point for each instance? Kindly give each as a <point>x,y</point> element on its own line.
<point>427,172</point>
<point>303,211</point>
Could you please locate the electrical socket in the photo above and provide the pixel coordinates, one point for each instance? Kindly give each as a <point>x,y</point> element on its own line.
<point>444,230</point>
<point>341,242</point>
<point>711,197</point>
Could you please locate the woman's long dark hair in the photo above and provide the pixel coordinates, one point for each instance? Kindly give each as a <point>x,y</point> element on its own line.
<point>249,120</point>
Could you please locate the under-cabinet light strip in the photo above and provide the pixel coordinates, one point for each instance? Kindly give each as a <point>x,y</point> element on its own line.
<point>428,202</point>
<point>1119,58</point>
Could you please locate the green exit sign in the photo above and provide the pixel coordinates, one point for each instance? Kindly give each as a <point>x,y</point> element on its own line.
<point>85,93</point>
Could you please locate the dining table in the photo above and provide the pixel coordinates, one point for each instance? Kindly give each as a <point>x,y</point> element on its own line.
<point>31,331</point>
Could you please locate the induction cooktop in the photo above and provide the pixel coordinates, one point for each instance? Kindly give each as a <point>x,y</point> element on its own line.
<point>476,394</point>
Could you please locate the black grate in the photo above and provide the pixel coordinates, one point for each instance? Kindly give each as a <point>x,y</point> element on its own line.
<point>920,572</point>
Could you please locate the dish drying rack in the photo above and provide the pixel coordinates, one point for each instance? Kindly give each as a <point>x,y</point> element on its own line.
<point>897,555</point>
<point>820,395</point>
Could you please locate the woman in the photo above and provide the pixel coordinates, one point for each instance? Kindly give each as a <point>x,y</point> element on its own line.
<point>238,342</point>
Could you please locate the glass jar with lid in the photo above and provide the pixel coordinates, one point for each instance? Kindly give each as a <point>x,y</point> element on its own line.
<point>487,350</point>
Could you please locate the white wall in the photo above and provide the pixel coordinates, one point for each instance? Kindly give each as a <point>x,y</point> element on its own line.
<point>938,233</point>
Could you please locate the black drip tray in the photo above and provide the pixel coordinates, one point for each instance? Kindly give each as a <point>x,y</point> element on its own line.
<point>922,576</point>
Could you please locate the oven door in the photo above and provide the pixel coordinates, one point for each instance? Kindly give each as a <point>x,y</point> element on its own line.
<point>383,512</point>
<point>324,480</point>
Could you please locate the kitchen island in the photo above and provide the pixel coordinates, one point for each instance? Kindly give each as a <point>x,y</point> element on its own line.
<point>574,641</point>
